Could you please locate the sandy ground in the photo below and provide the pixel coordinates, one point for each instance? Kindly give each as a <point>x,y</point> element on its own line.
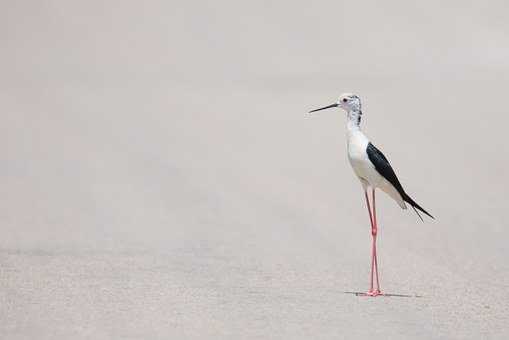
<point>158,178</point>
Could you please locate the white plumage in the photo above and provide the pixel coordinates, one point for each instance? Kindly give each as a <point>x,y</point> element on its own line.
<point>357,144</point>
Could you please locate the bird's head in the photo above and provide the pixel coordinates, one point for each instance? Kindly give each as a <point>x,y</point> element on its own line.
<point>347,101</point>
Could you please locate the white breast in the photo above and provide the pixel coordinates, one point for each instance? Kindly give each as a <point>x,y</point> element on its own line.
<point>357,144</point>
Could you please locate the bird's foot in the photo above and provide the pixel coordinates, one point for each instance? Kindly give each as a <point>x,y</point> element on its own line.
<point>372,292</point>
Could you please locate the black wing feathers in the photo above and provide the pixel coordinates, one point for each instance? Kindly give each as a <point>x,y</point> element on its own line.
<point>384,168</point>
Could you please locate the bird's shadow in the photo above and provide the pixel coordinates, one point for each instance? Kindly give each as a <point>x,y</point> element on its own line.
<point>385,295</point>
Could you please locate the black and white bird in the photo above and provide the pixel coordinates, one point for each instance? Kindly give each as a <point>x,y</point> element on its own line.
<point>374,171</point>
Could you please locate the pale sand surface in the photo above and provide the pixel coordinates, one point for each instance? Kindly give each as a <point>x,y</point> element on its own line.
<point>159,180</point>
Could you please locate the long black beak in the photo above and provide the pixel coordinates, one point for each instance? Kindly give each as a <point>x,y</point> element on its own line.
<point>326,107</point>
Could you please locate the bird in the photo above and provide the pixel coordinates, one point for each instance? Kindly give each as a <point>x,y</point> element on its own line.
<point>374,172</point>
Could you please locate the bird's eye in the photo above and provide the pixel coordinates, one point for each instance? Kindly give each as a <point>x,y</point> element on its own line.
<point>345,100</point>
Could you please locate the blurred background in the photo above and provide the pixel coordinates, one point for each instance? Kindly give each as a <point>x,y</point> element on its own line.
<point>159,179</point>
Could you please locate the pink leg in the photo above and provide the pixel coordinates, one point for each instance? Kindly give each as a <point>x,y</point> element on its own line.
<point>372,257</point>
<point>374,262</point>
<point>373,233</point>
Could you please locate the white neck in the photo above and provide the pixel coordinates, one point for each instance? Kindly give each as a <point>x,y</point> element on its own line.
<point>354,119</point>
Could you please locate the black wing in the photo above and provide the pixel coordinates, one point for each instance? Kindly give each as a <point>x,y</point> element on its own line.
<point>384,168</point>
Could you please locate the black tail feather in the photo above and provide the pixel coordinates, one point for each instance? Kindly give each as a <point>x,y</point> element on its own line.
<point>416,206</point>
<point>417,212</point>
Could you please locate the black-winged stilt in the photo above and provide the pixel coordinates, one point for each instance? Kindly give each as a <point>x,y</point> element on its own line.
<point>374,171</point>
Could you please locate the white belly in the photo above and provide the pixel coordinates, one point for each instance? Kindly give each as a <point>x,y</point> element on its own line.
<point>358,157</point>
<point>365,170</point>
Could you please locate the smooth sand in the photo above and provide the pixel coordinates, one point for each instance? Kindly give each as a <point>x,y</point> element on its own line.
<point>159,180</point>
